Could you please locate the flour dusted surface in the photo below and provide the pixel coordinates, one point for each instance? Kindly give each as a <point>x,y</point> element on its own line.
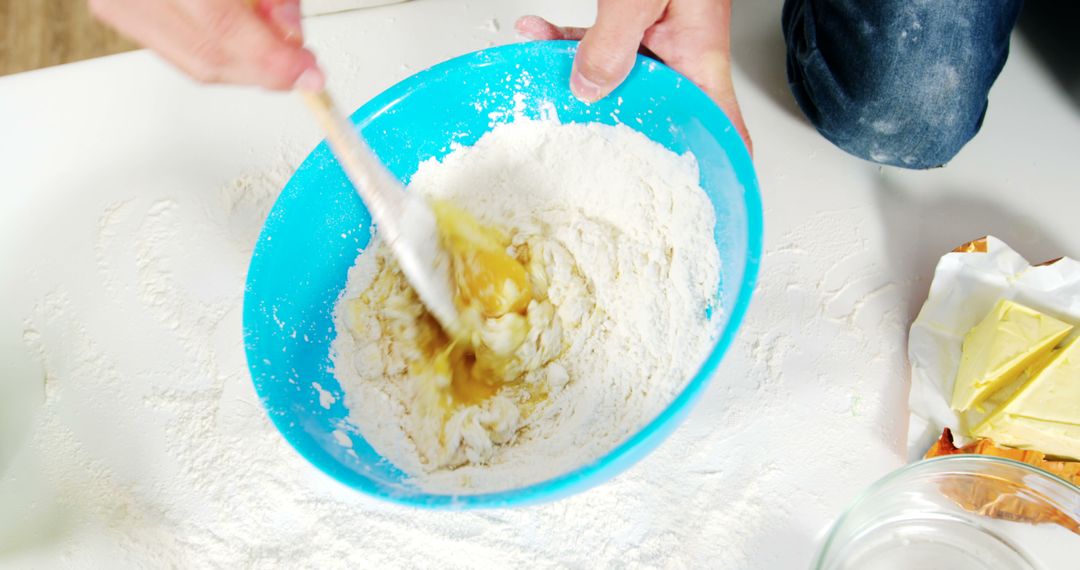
<point>626,237</point>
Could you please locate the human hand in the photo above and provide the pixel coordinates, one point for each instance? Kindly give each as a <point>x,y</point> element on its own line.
<point>692,36</point>
<point>249,42</point>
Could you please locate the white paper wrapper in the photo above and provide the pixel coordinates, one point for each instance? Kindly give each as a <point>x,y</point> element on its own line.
<point>966,286</point>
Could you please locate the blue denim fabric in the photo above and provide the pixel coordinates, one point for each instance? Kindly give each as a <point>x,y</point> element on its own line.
<point>898,82</point>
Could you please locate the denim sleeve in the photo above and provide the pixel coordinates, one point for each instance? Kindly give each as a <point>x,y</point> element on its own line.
<point>898,82</point>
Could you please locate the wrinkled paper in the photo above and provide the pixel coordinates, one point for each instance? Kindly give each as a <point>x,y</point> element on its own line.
<point>967,284</point>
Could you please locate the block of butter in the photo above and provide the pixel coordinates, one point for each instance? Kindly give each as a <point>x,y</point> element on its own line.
<point>1044,413</point>
<point>964,311</point>
<point>1005,343</point>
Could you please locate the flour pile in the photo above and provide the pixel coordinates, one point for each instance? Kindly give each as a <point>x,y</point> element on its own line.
<point>619,236</point>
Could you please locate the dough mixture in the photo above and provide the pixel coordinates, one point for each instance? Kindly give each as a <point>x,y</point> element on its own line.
<point>585,269</point>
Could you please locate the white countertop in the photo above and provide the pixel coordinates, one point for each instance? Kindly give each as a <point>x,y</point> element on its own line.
<point>131,199</point>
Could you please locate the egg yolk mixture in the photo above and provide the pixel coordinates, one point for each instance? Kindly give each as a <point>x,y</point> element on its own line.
<point>492,293</point>
<point>496,368</point>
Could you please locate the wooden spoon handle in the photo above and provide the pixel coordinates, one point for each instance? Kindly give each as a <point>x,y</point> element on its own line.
<point>381,192</point>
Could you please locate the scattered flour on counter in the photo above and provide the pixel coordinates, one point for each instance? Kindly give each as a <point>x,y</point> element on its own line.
<point>151,448</point>
<point>624,235</point>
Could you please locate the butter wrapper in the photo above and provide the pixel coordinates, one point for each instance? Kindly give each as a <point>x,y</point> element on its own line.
<point>967,283</point>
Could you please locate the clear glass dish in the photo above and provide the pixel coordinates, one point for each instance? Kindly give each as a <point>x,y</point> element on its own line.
<point>959,512</point>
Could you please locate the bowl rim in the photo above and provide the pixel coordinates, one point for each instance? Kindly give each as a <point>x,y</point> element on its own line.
<point>647,437</point>
<point>919,465</point>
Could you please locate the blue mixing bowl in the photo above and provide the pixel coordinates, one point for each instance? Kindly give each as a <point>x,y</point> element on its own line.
<point>318,225</point>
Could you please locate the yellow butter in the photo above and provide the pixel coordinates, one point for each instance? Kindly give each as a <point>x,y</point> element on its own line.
<point>1010,339</point>
<point>1052,438</point>
<point>1044,413</point>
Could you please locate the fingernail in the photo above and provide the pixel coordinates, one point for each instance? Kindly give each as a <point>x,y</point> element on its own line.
<point>521,29</point>
<point>524,23</point>
<point>287,17</point>
<point>584,89</point>
<point>311,79</point>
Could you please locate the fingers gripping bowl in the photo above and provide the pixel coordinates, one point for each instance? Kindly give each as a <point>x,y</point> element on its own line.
<point>311,238</point>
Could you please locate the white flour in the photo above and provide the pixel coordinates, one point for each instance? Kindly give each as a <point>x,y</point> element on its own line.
<point>626,238</point>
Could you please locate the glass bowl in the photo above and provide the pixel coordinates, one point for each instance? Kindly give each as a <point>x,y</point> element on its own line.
<point>959,512</point>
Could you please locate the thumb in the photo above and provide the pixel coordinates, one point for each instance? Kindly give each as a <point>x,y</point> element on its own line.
<point>607,52</point>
